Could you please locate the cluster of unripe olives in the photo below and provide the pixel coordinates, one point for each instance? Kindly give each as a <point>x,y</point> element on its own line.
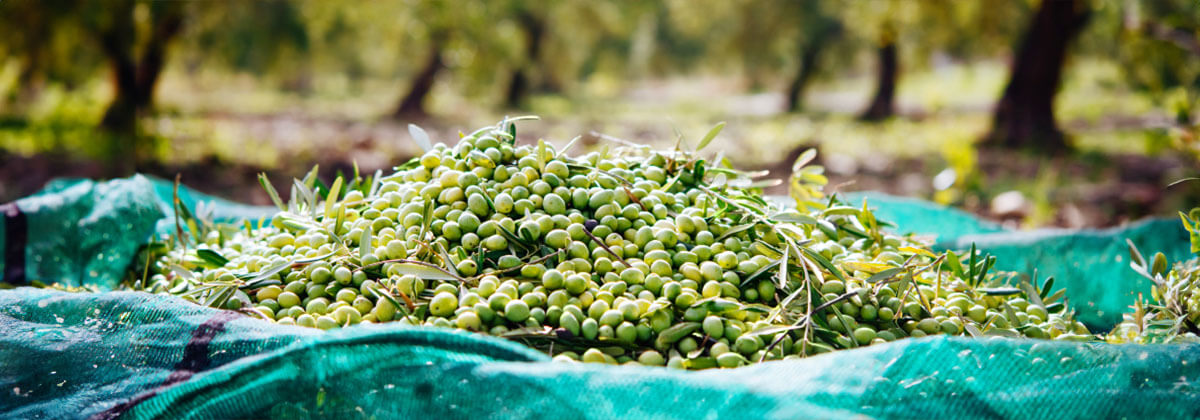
<point>633,256</point>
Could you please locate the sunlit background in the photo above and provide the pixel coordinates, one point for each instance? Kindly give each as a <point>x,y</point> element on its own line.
<point>1086,125</point>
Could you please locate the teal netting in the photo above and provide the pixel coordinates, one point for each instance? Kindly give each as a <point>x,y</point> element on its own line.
<point>82,232</point>
<point>78,233</point>
<point>913,215</point>
<point>109,355</point>
<point>133,355</point>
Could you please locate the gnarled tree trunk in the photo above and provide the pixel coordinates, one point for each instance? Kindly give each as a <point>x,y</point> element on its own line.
<point>1024,117</point>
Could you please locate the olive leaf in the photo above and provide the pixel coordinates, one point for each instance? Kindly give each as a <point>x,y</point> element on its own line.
<point>953,263</point>
<point>1046,286</point>
<point>1054,297</point>
<point>998,332</point>
<point>570,144</point>
<point>365,247</point>
<point>310,179</point>
<point>334,195</point>
<point>999,291</point>
<point>803,160</point>
<point>712,134</point>
<point>884,275</point>
<point>1031,293</point>
<point>259,284</point>
<point>270,271</point>
<point>828,229</point>
<point>828,266</point>
<point>793,217</point>
<point>972,330</point>
<point>266,184</point>
<point>772,330</point>
<point>841,211</point>
<point>213,258</point>
<point>219,297</point>
<point>420,137</point>
<point>427,218</point>
<point>181,272</point>
<point>375,182</point>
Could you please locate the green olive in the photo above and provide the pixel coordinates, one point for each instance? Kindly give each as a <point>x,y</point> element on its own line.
<point>288,299</point>
<point>864,335</point>
<point>516,311</point>
<point>714,326</point>
<point>443,304</point>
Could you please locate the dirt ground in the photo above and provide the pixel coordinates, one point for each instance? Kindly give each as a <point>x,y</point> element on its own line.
<point>1085,190</point>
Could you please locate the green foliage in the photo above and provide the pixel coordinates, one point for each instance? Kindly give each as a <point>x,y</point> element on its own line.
<point>291,42</point>
<point>255,36</point>
<point>1154,42</point>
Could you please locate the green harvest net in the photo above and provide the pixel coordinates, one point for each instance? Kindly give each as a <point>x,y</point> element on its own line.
<point>133,355</point>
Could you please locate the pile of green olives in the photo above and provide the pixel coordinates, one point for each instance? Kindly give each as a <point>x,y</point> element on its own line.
<point>633,256</point>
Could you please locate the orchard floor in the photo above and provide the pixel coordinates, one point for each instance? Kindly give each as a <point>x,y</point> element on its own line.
<point>218,136</point>
<point>1086,189</point>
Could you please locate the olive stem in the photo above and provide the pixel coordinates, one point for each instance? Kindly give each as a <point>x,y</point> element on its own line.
<point>625,186</point>
<point>602,245</point>
<point>537,261</point>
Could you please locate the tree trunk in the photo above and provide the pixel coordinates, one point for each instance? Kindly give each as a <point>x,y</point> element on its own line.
<point>518,89</point>
<point>153,58</point>
<point>31,78</point>
<point>120,118</point>
<point>808,66</point>
<point>413,104</point>
<point>883,103</point>
<point>116,40</point>
<point>518,86</point>
<point>1024,117</point>
<point>134,79</point>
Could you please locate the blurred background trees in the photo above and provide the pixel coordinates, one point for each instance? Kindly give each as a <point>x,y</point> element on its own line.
<point>120,86</point>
